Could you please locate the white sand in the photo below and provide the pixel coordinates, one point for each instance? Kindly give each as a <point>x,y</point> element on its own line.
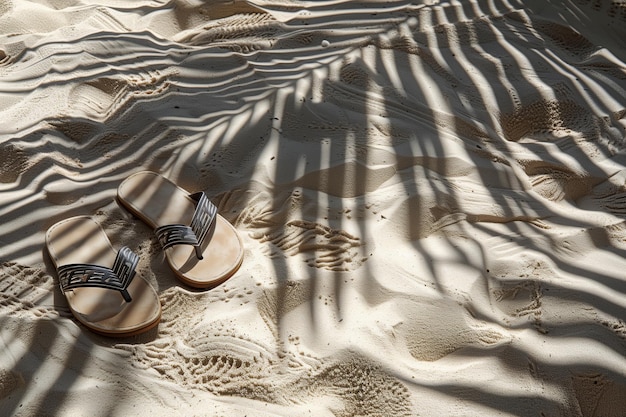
<point>431,196</point>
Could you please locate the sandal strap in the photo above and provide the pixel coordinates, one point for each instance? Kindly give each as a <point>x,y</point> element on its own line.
<point>117,278</point>
<point>194,234</point>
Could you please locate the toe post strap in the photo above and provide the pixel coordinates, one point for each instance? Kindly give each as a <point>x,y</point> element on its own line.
<point>117,278</point>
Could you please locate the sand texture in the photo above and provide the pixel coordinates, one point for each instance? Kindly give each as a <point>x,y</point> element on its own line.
<point>431,197</point>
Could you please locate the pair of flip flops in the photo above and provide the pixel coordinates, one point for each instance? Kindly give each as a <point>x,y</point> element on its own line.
<point>101,286</point>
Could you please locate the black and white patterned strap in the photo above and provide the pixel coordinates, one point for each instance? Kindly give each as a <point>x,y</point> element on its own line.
<point>89,275</point>
<point>194,234</point>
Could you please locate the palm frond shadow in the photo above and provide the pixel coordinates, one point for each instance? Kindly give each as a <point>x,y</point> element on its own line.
<point>441,103</point>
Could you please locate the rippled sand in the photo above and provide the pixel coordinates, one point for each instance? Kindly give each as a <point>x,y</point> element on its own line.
<point>431,197</point>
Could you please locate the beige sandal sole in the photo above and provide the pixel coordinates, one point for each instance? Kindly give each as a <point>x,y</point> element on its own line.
<point>158,202</point>
<point>82,240</point>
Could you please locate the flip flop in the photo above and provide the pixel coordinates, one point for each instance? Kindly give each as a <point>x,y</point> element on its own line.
<point>100,284</point>
<point>201,247</point>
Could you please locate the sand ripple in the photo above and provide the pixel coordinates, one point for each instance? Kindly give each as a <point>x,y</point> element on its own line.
<point>431,196</point>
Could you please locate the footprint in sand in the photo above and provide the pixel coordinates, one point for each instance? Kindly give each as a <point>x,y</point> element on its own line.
<point>101,98</point>
<point>27,290</point>
<point>362,386</point>
<point>322,246</point>
<point>212,357</point>
<point>453,330</point>
<point>9,382</point>
<point>517,290</point>
<point>522,299</point>
<point>608,196</point>
<point>331,249</point>
<point>566,38</point>
<point>241,33</point>
<point>14,162</point>
<point>616,8</point>
<point>218,358</point>
<point>599,395</point>
<point>557,182</point>
<point>79,131</point>
<point>548,118</point>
